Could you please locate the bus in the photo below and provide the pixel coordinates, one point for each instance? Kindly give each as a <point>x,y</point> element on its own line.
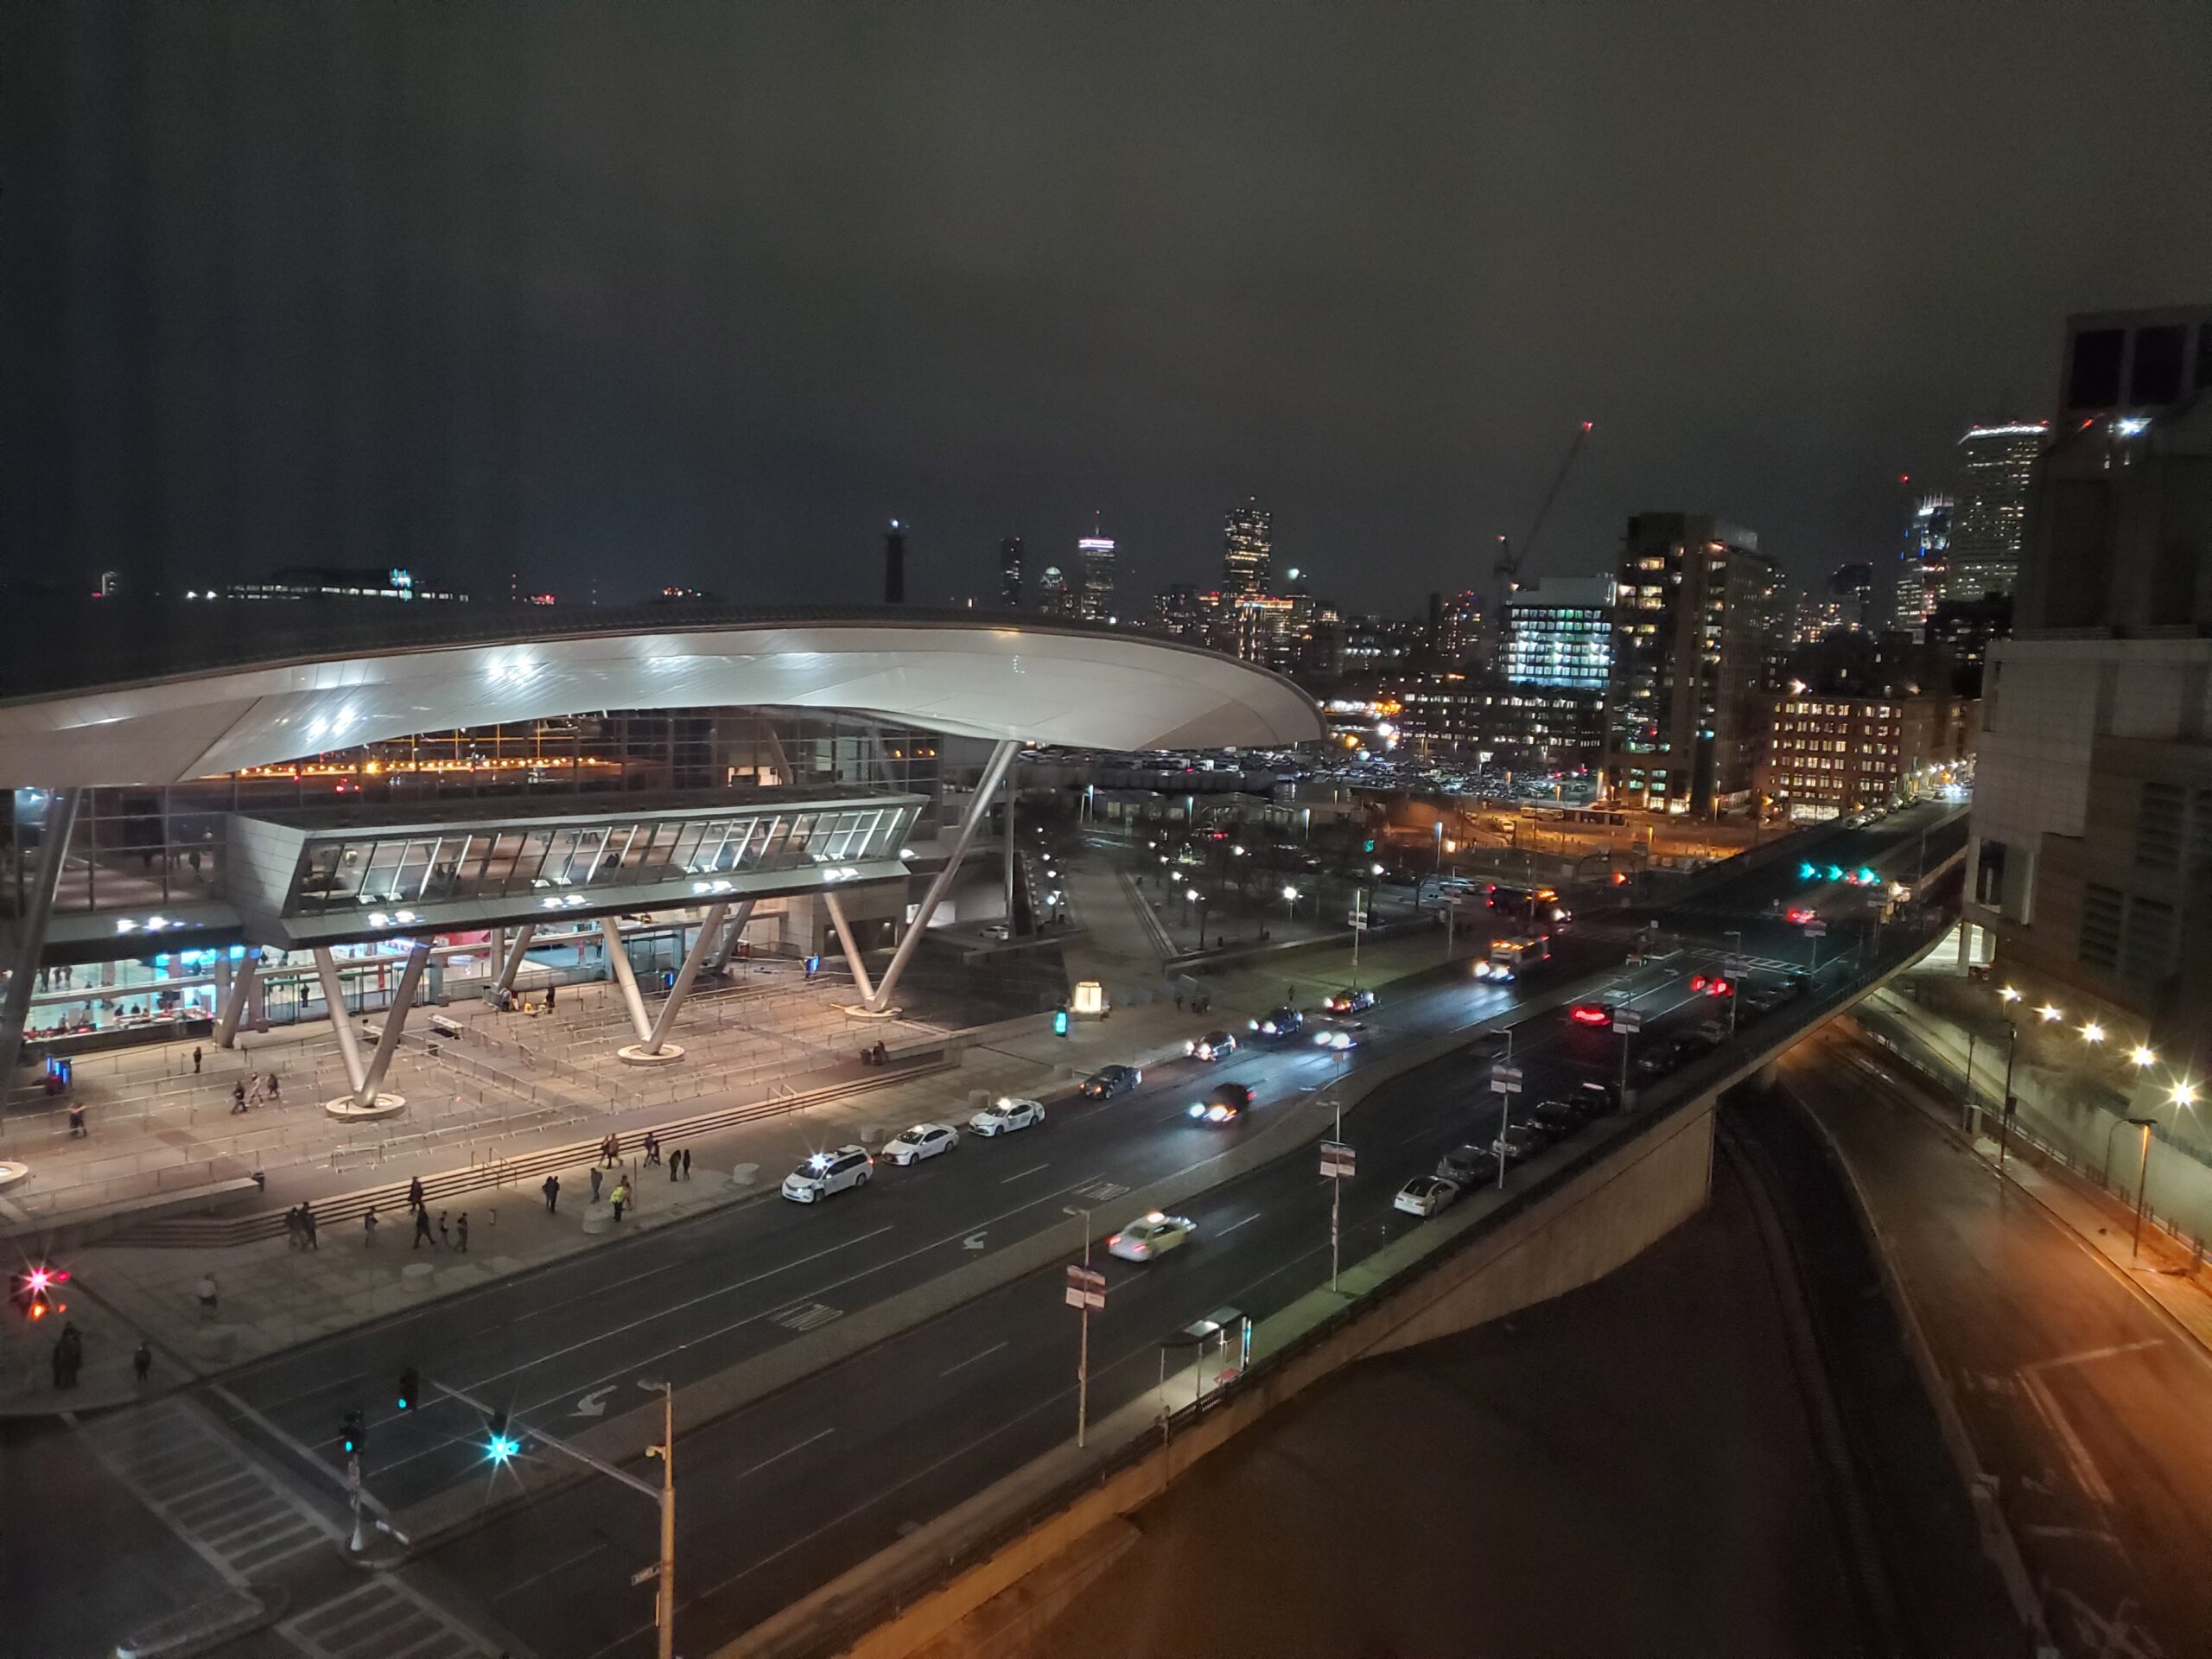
<point>1533,905</point>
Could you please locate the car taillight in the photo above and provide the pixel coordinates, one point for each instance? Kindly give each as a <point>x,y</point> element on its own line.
<point>1113,1241</point>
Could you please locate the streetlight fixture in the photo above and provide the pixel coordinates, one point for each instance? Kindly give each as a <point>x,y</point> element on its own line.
<point>2184,1094</point>
<point>2050,1011</point>
<point>2093,1032</point>
<point>2008,993</point>
<point>2142,1056</point>
<point>1290,902</point>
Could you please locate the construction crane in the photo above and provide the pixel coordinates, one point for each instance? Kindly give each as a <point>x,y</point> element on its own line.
<point>1509,560</point>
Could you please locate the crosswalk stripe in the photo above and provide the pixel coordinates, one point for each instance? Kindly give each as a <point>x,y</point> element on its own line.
<point>385,1618</point>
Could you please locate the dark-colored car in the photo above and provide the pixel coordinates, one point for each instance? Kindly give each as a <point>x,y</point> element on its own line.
<point>1111,1080</point>
<point>1214,1045</point>
<point>1279,1023</point>
<point>1225,1103</point>
<point>1353,998</point>
<point>1555,1118</point>
<point>1520,1143</point>
<point>1601,1099</point>
<point>1469,1167</point>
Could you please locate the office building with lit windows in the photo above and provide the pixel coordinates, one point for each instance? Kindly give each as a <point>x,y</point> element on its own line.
<point>1247,552</point>
<point>1555,658</point>
<point>1693,619</point>
<point>1827,756</point>
<point>1095,599</point>
<point>1996,465</point>
<point>1922,574</point>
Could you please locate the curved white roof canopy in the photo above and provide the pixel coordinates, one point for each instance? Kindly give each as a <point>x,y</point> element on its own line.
<point>1039,684</point>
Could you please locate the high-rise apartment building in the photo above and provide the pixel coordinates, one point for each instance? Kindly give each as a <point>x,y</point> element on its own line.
<point>1995,466</point>
<point>1555,658</point>
<point>1010,573</point>
<point>1182,613</point>
<point>1248,550</point>
<point>1692,623</point>
<point>1458,629</point>
<point>1054,598</point>
<point>2090,858</point>
<point>1924,566</point>
<point>1095,561</point>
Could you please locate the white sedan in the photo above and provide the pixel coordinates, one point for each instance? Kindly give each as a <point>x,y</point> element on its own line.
<point>1341,1034</point>
<point>1151,1236</point>
<point>923,1140</point>
<point>1006,1115</point>
<point>1425,1195</point>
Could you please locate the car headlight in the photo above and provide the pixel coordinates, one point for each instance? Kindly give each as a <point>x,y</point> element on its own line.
<point>1198,1108</point>
<point>1254,1025</point>
<point>1218,1114</point>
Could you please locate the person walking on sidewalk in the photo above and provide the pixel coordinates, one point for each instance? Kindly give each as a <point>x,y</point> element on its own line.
<point>552,1193</point>
<point>77,1120</point>
<point>652,1148</point>
<point>461,1231</point>
<point>445,1238</point>
<point>549,989</point>
<point>142,1362</point>
<point>415,1194</point>
<point>421,1230</point>
<point>195,1060</point>
<point>207,1298</point>
<point>686,1156</point>
<point>675,1165</point>
<point>238,1097</point>
<point>369,1225</point>
<point>308,1227</point>
<point>294,1238</point>
<point>275,1090</point>
<point>595,1179</point>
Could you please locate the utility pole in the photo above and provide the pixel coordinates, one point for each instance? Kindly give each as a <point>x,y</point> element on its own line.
<point>664,1602</point>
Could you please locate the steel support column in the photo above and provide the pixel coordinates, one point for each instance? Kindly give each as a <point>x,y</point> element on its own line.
<point>845,937</point>
<point>235,1005</point>
<point>511,964</point>
<point>30,944</point>
<point>334,998</point>
<point>618,962</point>
<point>741,913</point>
<point>418,956</point>
<point>685,975</point>
<point>978,807</point>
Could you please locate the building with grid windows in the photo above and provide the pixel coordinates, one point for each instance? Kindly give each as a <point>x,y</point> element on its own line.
<point>1996,465</point>
<point>1247,552</point>
<point>1829,755</point>
<point>1695,615</point>
<point>1555,658</point>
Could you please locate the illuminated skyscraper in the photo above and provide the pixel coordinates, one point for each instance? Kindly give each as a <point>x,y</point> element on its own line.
<point>1095,568</point>
<point>1992,504</point>
<point>1010,573</point>
<point>1924,566</point>
<point>1247,552</point>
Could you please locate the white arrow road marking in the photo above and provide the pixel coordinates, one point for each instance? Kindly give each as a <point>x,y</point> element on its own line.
<point>595,1403</point>
<point>973,1242</point>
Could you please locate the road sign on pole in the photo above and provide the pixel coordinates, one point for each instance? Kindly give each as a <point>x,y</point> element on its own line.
<point>1505,1079</point>
<point>1336,1160</point>
<point>1628,1020</point>
<point>1086,1287</point>
<point>1816,929</point>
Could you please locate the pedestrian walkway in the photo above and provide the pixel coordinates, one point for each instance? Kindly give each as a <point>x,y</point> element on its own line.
<point>385,1618</point>
<point>190,1472</point>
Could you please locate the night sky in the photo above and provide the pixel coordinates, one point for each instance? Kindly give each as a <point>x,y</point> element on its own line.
<point>652,294</point>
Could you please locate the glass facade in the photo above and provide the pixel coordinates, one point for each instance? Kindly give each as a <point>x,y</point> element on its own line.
<point>355,870</point>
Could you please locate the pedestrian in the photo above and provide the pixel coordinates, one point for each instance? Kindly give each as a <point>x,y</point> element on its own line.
<point>552,1193</point>
<point>674,1164</point>
<point>238,1097</point>
<point>293,1237</point>
<point>621,1196</point>
<point>142,1362</point>
<point>76,1120</point>
<point>422,1229</point>
<point>207,1298</point>
<point>308,1229</point>
<point>445,1238</point>
<point>415,1194</point>
<point>595,1179</point>
<point>686,1155</point>
<point>653,1148</point>
<point>369,1225</point>
<point>1179,1002</point>
<point>195,1059</point>
<point>275,1094</point>
<point>549,989</point>
<point>461,1230</point>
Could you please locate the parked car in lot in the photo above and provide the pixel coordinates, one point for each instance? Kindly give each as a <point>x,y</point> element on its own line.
<point>1214,1045</point>
<point>1281,1022</point>
<point>1340,1034</point>
<point>1005,1115</point>
<point>1519,1143</point>
<point>1225,1103</point>
<point>827,1173</point>
<point>1151,1235</point>
<point>923,1140</point>
<point>1111,1080</point>
<point>1353,998</point>
<point>1425,1195</point>
<point>1466,1166</point>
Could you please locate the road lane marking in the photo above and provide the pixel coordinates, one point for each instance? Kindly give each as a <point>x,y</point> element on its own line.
<point>971,1359</point>
<point>546,1572</point>
<point>2086,1473</point>
<point>2087,1354</point>
<point>788,1451</point>
<point>1023,1175</point>
<point>1234,1225</point>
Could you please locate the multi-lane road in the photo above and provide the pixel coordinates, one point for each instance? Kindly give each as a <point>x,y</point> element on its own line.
<point>782,1494</point>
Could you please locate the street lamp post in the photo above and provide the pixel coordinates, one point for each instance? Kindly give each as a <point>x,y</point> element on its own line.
<point>1199,899</point>
<point>2142,1172</point>
<point>1083,1351</point>
<point>1290,903</point>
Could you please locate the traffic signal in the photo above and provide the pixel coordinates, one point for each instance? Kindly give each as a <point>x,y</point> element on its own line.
<point>499,1443</point>
<point>411,1388</point>
<point>1369,846</point>
<point>35,1291</point>
<point>1059,1022</point>
<point>352,1433</point>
